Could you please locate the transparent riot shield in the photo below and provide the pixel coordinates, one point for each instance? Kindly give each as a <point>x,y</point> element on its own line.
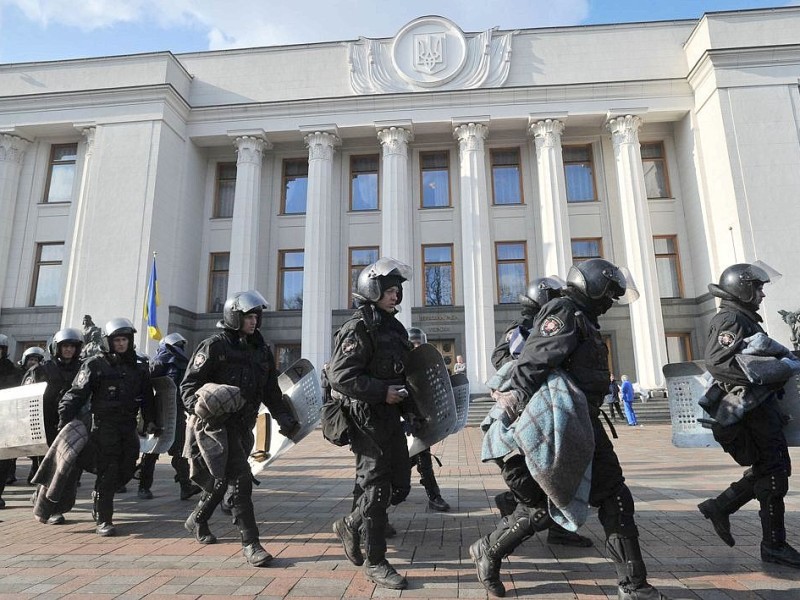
<point>165,392</point>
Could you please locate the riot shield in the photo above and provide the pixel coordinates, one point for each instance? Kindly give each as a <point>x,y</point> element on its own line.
<point>165,392</point>
<point>688,381</point>
<point>460,385</point>
<point>300,384</point>
<point>429,384</point>
<point>22,421</point>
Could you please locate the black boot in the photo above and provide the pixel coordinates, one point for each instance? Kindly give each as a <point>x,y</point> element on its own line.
<point>103,511</point>
<point>245,520</point>
<point>488,551</point>
<point>376,567</point>
<point>428,481</point>
<point>718,510</point>
<point>197,523</point>
<point>774,548</point>
<point>347,530</point>
<point>559,536</point>
<point>631,571</point>
<point>181,466</point>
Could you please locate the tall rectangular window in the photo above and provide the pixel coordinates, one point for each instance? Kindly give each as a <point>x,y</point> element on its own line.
<point>364,182</point>
<point>679,347</point>
<point>291,279</point>
<point>512,271</point>
<point>438,268</point>
<point>218,265</point>
<point>579,173</point>
<point>224,191</point>
<point>434,176</point>
<point>585,248</point>
<point>654,164</point>
<point>668,266</point>
<point>295,186</point>
<point>45,290</point>
<point>61,173</point>
<point>360,258</point>
<point>506,176</point>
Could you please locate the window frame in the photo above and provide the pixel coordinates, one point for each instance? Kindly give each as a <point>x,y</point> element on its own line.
<point>498,262</point>
<point>211,272</point>
<point>351,266</point>
<point>678,270</point>
<point>452,264</point>
<point>284,163</point>
<point>38,263</point>
<point>685,338</point>
<point>518,150</point>
<point>278,346</point>
<point>354,157</point>
<point>422,170</point>
<point>282,270</point>
<point>215,209</point>
<point>663,160</point>
<point>573,162</point>
<point>580,259</point>
<point>51,163</point>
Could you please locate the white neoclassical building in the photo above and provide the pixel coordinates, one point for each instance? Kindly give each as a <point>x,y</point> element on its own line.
<point>482,159</point>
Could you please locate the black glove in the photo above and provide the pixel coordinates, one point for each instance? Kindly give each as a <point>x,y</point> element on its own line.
<point>288,425</point>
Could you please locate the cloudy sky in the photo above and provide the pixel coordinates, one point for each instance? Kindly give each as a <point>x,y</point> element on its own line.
<point>33,30</point>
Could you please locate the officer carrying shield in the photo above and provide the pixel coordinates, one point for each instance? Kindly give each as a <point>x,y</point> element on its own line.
<point>757,440</point>
<point>10,376</point>
<point>237,356</point>
<point>565,335</point>
<point>366,371</point>
<point>116,384</point>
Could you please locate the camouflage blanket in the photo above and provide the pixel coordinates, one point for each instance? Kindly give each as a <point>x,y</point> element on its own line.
<point>555,435</point>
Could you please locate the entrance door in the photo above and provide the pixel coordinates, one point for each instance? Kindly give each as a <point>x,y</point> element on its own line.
<point>447,349</point>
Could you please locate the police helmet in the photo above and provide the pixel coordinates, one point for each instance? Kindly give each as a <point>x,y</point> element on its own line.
<point>66,335</point>
<point>240,304</point>
<point>417,336</point>
<point>173,339</point>
<point>32,351</point>
<point>741,282</point>
<point>540,291</point>
<point>378,277</point>
<point>597,279</point>
<point>119,326</point>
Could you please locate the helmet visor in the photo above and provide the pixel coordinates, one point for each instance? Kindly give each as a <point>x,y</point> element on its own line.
<point>251,300</point>
<point>625,280</point>
<point>762,272</point>
<point>384,266</point>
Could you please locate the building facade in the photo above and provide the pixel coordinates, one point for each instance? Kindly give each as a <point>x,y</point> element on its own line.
<point>482,159</point>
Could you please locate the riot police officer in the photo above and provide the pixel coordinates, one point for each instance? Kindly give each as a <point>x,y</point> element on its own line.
<point>366,371</point>
<point>757,439</point>
<point>538,293</point>
<point>116,383</point>
<point>10,376</point>
<point>237,356</point>
<point>170,361</point>
<point>565,335</point>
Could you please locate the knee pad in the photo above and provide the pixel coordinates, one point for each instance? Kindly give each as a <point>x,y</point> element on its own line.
<point>772,486</point>
<point>376,499</point>
<point>242,489</point>
<point>616,514</point>
<point>399,494</point>
<point>521,483</point>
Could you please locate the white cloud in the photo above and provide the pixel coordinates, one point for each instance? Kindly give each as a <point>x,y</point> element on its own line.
<point>241,23</point>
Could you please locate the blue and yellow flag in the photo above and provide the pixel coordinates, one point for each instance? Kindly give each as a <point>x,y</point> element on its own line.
<point>150,302</point>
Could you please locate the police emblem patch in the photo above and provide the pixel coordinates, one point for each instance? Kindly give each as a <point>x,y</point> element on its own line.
<point>80,380</point>
<point>726,338</point>
<point>551,326</point>
<point>199,360</point>
<point>349,345</point>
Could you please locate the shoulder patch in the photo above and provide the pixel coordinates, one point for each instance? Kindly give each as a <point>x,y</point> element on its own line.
<point>349,345</point>
<point>81,378</point>
<point>29,380</point>
<point>551,326</point>
<point>199,360</point>
<point>726,338</point>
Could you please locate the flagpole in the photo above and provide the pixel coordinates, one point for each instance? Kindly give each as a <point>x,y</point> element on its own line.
<point>147,299</point>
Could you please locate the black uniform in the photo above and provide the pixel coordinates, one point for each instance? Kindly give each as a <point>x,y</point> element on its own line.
<point>502,353</point>
<point>248,364</point>
<point>117,386</point>
<point>369,355</point>
<point>58,375</point>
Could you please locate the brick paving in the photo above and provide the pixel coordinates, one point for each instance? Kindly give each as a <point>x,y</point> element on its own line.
<point>304,491</point>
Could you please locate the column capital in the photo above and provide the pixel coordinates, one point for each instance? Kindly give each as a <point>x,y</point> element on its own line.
<point>547,132</point>
<point>394,140</point>
<point>250,148</point>
<point>12,148</point>
<point>624,129</point>
<point>88,134</point>
<point>470,136</point>
<point>320,145</point>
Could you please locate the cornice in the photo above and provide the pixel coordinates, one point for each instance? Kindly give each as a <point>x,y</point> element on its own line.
<point>741,57</point>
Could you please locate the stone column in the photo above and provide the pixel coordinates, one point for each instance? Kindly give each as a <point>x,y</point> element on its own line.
<point>476,254</point>
<point>649,345</point>
<point>73,312</point>
<point>556,245</point>
<point>317,276</point>
<point>245,224</point>
<point>396,212</point>
<point>12,152</point>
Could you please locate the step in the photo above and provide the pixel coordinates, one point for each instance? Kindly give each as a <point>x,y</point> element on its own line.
<point>655,410</point>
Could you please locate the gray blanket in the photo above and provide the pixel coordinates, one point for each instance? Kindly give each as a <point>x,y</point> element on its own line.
<point>58,472</point>
<point>555,435</point>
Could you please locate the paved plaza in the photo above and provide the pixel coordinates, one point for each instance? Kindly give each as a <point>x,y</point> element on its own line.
<point>304,491</point>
